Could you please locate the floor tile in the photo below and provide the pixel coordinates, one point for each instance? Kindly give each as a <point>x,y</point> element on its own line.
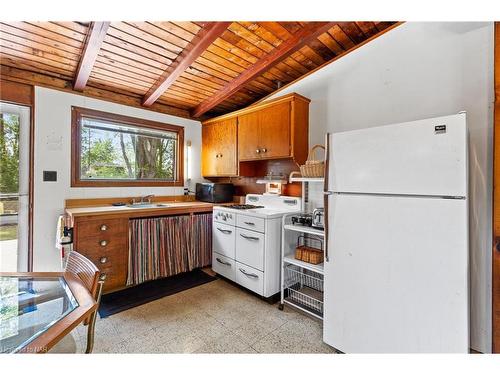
<point>216,317</point>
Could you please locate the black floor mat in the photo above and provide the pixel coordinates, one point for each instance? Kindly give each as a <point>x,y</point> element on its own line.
<point>125,299</point>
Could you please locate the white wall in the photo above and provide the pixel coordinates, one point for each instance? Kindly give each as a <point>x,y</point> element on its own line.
<point>53,153</point>
<point>415,71</point>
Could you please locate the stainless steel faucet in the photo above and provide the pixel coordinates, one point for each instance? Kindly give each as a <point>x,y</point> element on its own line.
<point>144,199</point>
<point>147,198</point>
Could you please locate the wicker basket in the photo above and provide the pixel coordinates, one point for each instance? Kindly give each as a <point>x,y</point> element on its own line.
<point>313,166</point>
<point>307,253</point>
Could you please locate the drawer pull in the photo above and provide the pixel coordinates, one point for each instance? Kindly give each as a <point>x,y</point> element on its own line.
<point>104,227</point>
<point>225,231</point>
<point>264,150</point>
<point>249,237</point>
<point>249,274</point>
<point>222,262</point>
<point>249,223</point>
<point>102,277</point>
<point>103,243</point>
<point>257,151</point>
<point>103,259</point>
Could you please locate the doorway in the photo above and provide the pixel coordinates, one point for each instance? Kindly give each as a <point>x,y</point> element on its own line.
<point>14,187</point>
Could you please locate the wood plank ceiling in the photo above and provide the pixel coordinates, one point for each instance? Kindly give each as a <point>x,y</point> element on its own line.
<point>190,69</point>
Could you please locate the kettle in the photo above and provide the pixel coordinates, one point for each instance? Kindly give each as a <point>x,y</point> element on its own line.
<point>318,218</point>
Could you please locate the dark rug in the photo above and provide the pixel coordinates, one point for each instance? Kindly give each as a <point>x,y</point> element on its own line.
<point>125,299</point>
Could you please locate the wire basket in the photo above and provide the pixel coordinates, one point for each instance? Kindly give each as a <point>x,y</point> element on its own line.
<point>304,288</point>
<point>313,167</point>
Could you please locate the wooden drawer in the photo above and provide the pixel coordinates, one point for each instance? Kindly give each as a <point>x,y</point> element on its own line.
<point>250,278</point>
<point>101,244</point>
<point>108,259</point>
<point>250,222</point>
<point>223,266</point>
<point>91,228</point>
<point>250,248</point>
<point>116,277</point>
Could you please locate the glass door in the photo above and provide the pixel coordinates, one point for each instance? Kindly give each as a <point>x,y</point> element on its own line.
<point>14,187</point>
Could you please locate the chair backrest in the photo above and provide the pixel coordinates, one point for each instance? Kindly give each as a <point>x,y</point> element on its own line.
<point>85,270</point>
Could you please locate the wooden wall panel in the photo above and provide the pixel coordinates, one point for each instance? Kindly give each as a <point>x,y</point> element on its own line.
<point>15,92</point>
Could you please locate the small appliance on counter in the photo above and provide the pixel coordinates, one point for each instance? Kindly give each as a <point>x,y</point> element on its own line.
<point>214,192</point>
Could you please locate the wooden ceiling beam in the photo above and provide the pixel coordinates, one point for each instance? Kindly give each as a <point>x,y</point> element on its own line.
<point>203,39</point>
<point>95,36</point>
<point>297,41</point>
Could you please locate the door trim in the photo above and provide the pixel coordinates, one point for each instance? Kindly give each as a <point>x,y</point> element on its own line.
<point>24,95</point>
<point>495,258</point>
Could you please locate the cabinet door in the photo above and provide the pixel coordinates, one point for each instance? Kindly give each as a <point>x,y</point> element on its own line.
<point>208,152</point>
<point>248,136</point>
<point>275,131</point>
<point>226,161</point>
<point>219,148</point>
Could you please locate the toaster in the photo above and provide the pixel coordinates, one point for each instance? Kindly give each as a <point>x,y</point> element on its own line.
<point>318,218</point>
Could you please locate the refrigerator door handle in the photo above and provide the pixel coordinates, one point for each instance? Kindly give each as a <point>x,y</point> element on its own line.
<point>327,162</point>
<point>326,198</point>
<point>326,192</point>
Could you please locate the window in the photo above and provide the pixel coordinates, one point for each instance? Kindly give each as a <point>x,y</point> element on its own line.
<point>114,150</point>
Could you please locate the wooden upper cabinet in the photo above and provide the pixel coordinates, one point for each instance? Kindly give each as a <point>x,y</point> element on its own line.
<point>274,132</point>
<point>274,129</point>
<point>219,148</point>
<point>248,135</point>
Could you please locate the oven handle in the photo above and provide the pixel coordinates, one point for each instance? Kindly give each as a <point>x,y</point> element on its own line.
<point>249,274</point>
<point>225,231</point>
<point>249,237</point>
<point>222,262</point>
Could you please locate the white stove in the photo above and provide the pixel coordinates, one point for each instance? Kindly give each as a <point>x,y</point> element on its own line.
<point>247,241</point>
<point>265,206</point>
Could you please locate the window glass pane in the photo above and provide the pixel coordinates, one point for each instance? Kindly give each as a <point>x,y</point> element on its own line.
<point>123,152</point>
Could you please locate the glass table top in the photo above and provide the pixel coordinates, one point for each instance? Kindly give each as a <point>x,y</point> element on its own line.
<point>29,306</point>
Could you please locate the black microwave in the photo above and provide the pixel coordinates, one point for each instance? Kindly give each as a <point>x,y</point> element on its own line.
<point>214,192</point>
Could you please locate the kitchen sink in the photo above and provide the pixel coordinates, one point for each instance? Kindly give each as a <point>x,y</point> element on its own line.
<point>147,205</point>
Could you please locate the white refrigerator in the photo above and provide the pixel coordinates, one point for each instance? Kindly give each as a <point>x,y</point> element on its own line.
<point>396,258</point>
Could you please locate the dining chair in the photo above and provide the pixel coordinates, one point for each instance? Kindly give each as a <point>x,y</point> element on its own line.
<point>89,274</point>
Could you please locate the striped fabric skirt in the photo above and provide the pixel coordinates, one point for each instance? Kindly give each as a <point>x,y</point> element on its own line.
<point>165,246</point>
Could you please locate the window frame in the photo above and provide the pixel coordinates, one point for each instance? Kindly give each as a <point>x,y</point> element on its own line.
<point>76,115</point>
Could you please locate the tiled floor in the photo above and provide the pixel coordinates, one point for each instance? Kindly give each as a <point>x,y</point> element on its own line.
<point>217,317</point>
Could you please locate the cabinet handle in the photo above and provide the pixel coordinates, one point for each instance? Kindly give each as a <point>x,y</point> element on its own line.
<point>103,259</point>
<point>104,227</point>
<point>103,276</point>
<point>103,243</point>
<point>249,223</point>
<point>248,237</point>
<point>225,231</point>
<point>257,151</point>
<point>264,150</point>
<point>220,155</point>
<point>248,274</point>
<point>222,262</point>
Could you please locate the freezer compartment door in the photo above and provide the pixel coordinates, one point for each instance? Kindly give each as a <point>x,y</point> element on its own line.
<point>396,276</point>
<point>426,157</point>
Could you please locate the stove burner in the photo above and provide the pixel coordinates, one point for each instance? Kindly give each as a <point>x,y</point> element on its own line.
<point>244,206</point>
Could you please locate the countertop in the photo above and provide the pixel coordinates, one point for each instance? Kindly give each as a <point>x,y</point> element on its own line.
<point>158,209</point>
